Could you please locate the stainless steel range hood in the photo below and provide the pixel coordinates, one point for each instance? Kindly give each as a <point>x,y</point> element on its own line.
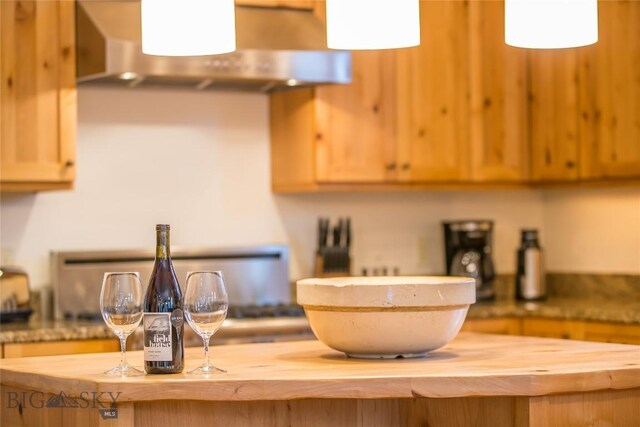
<point>277,48</point>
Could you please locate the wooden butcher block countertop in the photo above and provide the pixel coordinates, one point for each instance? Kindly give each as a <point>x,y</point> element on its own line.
<point>471,365</point>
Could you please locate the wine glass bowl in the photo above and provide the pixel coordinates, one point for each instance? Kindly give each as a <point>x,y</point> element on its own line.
<point>205,308</point>
<point>121,308</point>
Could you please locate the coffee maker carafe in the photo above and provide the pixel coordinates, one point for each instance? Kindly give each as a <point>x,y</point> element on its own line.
<point>468,247</point>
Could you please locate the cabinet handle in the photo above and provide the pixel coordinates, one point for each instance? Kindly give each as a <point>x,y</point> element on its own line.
<point>565,336</point>
<point>391,166</point>
<point>406,166</point>
<point>69,164</point>
<point>570,164</point>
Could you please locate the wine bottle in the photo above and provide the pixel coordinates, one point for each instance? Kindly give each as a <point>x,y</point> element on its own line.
<point>163,316</point>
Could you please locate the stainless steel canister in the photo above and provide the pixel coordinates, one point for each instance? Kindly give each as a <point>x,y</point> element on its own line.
<point>530,275</point>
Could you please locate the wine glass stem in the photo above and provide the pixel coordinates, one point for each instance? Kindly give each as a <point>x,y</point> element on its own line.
<point>123,345</point>
<point>206,340</point>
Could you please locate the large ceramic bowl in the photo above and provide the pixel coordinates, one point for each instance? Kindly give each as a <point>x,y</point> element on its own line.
<point>386,317</point>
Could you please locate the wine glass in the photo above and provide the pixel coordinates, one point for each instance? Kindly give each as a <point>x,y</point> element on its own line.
<point>121,307</point>
<point>205,307</point>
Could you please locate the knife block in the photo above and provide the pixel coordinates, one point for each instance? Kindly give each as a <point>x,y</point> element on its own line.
<point>333,262</point>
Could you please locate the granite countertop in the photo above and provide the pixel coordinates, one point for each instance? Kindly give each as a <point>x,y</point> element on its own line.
<point>600,310</point>
<point>56,330</point>
<point>596,310</point>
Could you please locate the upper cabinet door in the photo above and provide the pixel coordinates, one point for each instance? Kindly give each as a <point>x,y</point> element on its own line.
<point>433,97</point>
<point>498,87</point>
<point>355,140</point>
<point>38,95</point>
<point>610,94</point>
<point>554,114</point>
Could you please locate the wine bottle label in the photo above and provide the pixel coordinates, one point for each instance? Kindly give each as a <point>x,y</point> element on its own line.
<point>157,337</point>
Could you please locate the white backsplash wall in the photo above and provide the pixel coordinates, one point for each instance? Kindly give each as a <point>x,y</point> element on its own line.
<point>592,230</point>
<point>404,230</point>
<point>200,161</point>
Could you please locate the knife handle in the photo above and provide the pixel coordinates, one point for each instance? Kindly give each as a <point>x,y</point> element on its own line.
<point>348,233</point>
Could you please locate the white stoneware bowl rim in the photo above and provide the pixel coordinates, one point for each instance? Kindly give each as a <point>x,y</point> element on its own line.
<point>386,291</point>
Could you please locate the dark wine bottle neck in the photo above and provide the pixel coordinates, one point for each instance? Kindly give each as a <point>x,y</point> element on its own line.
<point>162,244</point>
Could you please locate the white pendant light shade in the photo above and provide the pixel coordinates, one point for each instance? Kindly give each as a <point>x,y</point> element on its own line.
<point>188,27</point>
<point>373,24</point>
<point>550,24</point>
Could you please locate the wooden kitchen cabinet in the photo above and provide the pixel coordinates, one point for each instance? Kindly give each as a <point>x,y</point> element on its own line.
<point>554,88</point>
<point>451,111</point>
<point>585,103</point>
<point>609,73</point>
<point>611,332</point>
<point>551,328</point>
<point>499,325</point>
<point>37,95</point>
<point>433,97</point>
<point>336,134</point>
<point>581,330</point>
<point>469,111</point>
<point>498,117</point>
<point>461,98</point>
<point>355,138</point>
<point>556,328</point>
<point>401,120</point>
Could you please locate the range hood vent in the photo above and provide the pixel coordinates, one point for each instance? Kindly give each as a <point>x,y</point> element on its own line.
<point>277,48</point>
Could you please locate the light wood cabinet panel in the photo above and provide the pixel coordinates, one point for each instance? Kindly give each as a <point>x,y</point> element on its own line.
<point>52,348</point>
<point>433,97</point>
<point>611,332</point>
<point>582,330</point>
<point>337,133</point>
<point>554,114</point>
<point>500,325</point>
<point>355,123</point>
<point>37,95</point>
<point>610,94</point>
<point>585,103</point>
<point>552,328</point>
<point>499,142</point>
<point>293,135</point>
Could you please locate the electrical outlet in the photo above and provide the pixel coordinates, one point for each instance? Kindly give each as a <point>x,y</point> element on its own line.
<point>380,271</point>
<point>423,251</point>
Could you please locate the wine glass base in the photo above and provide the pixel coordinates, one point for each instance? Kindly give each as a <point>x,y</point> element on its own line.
<point>206,370</point>
<point>125,371</point>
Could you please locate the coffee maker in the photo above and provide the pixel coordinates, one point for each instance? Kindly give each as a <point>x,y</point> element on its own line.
<point>468,247</point>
